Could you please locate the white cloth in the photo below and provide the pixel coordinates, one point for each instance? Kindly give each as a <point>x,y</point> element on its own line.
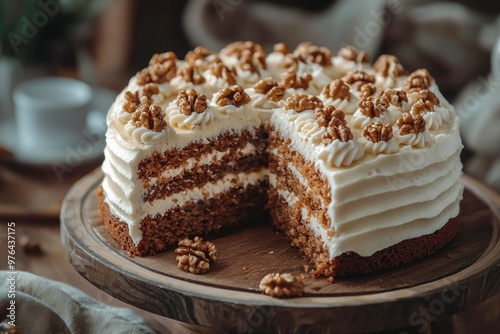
<point>46,306</point>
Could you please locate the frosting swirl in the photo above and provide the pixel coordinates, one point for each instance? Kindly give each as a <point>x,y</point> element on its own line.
<point>348,106</point>
<point>262,105</point>
<point>339,153</point>
<point>381,147</point>
<point>415,140</point>
<point>144,136</point>
<point>436,118</point>
<point>188,122</point>
<point>389,116</point>
<point>307,125</point>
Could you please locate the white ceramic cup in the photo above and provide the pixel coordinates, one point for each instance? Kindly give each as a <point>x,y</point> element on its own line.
<point>51,112</point>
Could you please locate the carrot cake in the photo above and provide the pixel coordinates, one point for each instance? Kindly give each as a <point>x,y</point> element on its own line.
<point>358,164</point>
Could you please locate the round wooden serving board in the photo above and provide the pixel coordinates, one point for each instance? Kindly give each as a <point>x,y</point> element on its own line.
<point>462,274</point>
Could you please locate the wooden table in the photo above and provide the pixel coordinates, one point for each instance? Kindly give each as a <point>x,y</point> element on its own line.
<point>53,263</point>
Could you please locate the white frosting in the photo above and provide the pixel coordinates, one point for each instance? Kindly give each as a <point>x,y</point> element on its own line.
<point>390,81</point>
<point>348,106</point>
<point>389,116</point>
<point>339,153</point>
<point>434,119</point>
<point>178,84</point>
<point>144,136</point>
<point>381,147</point>
<point>262,105</point>
<point>415,140</point>
<point>342,66</point>
<point>306,125</point>
<point>188,122</point>
<point>213,83</point>
<point>244,78</point>
<point>209,190</point>
<point>320,78</point>
<point>276,65</point>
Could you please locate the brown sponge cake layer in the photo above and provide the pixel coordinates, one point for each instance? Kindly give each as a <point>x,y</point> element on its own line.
<point>288,219</point>
<point>308,195</point>
<point>287,156</point>
<point>201,175</point>
<point>161,232</point>
<point>158,162</point>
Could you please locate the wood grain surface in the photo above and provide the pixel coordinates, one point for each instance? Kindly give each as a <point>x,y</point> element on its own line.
<point>462,274</point>
<point>35,193</point>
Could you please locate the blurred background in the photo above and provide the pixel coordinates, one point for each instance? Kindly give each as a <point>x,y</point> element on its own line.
<point>106,41</point>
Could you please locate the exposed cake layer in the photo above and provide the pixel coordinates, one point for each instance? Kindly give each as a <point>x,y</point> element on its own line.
<point>230,160</point>
<point>295,222</point>
<point>409,193</point>
<point>237,205</point>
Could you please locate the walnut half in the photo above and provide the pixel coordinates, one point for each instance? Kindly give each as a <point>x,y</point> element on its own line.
<point>337,89</point>
<point>222,71</point>
<point>388,65</point>
<point>281,48</point>
<point>199,52</point>
<point>249,53</point>
<point>308,52</point>
<point>424,94</point>
<point>394,97</point>
<point>189,101</point>
<point>142,96</point>
<point>157,72</point>
<point>419,79</point>
<point>341,132</point>
<point>329,116</point>
<point>191,74</point>
<point>282,285</point>
<point>358,76</point>
<point>195,256</point>
<point>270,88</point>
<point>349,52</point>
<point>376,132</point>
<point>151,117</point>
<point>291,79</point>
<point>301,102</point>
<point>162,58</point>
<point>409,124</point>
<point>234,95</point>
<point>421,107</point>
<point>373,107</point>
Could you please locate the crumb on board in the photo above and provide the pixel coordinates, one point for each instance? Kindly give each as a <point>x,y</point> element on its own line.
<point>29,246</point>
